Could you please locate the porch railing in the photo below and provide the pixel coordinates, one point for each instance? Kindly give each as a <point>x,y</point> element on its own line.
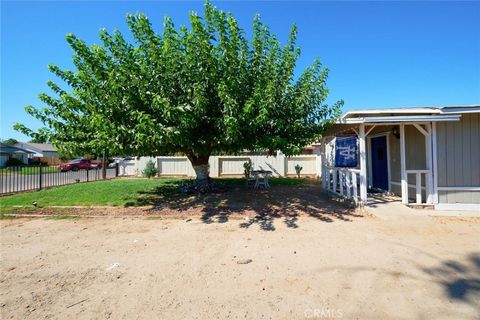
<point>418,184</point>
<point>342,181</point>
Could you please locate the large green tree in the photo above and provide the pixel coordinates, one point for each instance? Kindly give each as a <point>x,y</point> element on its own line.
<point>200,90</point>
<point>10,141</point>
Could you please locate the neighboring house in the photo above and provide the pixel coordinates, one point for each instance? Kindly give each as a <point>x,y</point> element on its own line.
<point>41,151</point>
<point>428,156</point>
<point>7,152</point>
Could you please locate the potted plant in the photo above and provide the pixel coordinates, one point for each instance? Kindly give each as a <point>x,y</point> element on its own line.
<point>298,170</point>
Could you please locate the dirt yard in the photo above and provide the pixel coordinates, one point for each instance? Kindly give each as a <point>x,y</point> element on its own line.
<point>272,267</point>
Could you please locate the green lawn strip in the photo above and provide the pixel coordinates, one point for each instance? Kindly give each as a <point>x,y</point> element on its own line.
<point>62,217</point>
<point>287,181</point>
<point>115,192</point>
<point>7,216</point>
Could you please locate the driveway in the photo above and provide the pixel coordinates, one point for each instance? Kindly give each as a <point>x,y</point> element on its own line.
<point>303,268</point>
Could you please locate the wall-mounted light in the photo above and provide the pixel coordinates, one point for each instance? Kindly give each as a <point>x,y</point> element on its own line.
<point>395,132</point>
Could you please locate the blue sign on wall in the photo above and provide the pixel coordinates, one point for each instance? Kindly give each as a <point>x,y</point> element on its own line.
<point>346,151</point>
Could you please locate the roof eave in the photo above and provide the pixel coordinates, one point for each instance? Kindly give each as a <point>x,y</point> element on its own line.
<point>415,110</point>
<point>392,110</point>
<point>401,119</point>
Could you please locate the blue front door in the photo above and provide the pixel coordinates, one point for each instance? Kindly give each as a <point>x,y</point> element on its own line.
<point>379,163</point>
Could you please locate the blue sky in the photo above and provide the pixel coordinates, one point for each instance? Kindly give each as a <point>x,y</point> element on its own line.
<point>380,54</point>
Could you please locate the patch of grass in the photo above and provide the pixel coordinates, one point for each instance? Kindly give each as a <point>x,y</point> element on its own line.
<point>7,216</point>
<point>115,192</point>
<point>288,181</point>
<point>62,217</point>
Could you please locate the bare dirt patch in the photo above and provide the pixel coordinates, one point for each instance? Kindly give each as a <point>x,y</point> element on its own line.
<point>136,267</point>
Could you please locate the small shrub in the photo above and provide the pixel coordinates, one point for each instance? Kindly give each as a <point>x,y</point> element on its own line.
<point>298,170</point>
<point>37,162</point>
<point>13,162</point>
<point>150,170</point>
<point>33,161</point>
<point>247,167</point>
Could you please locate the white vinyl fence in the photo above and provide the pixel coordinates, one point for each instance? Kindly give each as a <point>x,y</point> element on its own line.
<point>224,166</point>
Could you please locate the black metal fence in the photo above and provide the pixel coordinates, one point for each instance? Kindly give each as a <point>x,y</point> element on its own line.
<point>26,178</point>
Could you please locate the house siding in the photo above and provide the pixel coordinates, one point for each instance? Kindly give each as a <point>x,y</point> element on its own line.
<point>455,196</point>
<point>458,159</point>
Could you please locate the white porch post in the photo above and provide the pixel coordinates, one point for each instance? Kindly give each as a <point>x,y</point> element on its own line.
<point>354,185</point>
<point>429,176</point>
<point>403,168</point>
<point>363,164</point>
<point>323,164</point>
<point>418,187</point>
<point>334,189</point>
<point>434,162</point>
<point>348,183</point>
<point>341,178</point>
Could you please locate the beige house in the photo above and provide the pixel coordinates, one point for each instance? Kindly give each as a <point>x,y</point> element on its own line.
<point>428,156</point>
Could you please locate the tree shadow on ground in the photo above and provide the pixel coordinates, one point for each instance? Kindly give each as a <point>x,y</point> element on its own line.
<point>284,201</point>
<point>374,199</point>
<point>460,280</point>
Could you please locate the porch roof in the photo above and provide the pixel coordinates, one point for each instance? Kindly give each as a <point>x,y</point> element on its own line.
<point>395,116</point>
<point>434,110</point>
<point>401,119</point>
<point>347,124</point>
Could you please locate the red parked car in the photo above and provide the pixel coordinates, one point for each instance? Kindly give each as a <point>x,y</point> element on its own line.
<point>79,164</point>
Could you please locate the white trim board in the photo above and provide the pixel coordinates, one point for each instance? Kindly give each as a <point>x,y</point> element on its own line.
<point>409,185</point>
<point>416,110</point>
<point>434,162</point>
<point>459,206</point>
<point>458,188</point>
<point>363,163</point>
<point>388,163</point>
<point>369,161</point>
<point>403,168</point>
<point>400,119</point>
<point>379,134</point>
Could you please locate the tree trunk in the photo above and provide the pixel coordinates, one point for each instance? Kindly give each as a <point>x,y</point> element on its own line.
<point>201,167</point>
<point>202,172</point>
